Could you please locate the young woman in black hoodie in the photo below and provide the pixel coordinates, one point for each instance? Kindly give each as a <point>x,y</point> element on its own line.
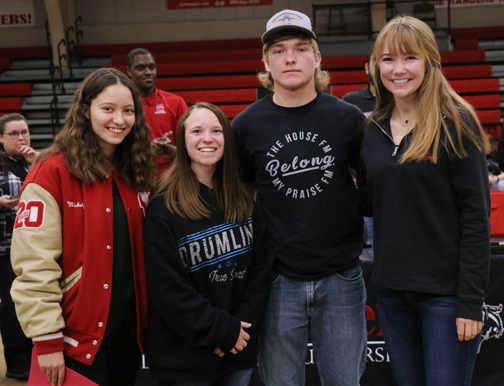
<point>425,177</point>
<point>208,261</point>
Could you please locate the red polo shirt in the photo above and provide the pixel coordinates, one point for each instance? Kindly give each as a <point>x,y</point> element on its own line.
<point>163,111</point>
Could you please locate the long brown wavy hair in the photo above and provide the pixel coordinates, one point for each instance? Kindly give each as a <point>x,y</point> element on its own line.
<point>133,159</point>
<point>436,98</point>
<point>181,187</point>
<point>322,78</point>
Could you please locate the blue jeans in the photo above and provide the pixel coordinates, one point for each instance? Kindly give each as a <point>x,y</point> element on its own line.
<point>332,310</point>
<point>237,378</point>
<point>421,338</point>
<point>499,185</point>
<point>368,221</point>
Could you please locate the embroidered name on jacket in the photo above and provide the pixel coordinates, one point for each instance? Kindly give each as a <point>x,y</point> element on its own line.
<point>219,244</point>
<point>75,204</point>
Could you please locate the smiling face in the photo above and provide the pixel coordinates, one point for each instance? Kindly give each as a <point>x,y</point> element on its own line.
<point>292,64</point>
<point>11,145</point>
<point>204,140</point>
<point>112,115</point>
<point>401,73</point>
<point>143,74</point>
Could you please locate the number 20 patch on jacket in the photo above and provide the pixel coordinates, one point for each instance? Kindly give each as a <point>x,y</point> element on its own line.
<point>30,214</point>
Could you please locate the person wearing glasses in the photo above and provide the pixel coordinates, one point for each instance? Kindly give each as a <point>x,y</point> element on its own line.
<point>16,158</point>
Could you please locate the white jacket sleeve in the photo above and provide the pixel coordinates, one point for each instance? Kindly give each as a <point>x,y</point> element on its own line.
<point>36,247</point>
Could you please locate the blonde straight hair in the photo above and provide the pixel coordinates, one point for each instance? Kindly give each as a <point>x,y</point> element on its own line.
<point>436,98</point>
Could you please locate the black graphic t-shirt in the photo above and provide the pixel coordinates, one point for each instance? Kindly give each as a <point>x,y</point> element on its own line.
<point>299,158</point>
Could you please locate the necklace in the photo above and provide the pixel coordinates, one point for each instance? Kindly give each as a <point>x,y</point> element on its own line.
<point>400,119</point>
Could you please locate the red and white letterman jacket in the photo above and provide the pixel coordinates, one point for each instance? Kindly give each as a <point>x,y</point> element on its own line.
<point>62,254</point>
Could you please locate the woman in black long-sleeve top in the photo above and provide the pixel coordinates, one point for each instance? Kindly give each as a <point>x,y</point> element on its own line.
<point>424,174</point>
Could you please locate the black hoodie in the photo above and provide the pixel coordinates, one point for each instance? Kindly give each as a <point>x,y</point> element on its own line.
<point>204,277</point>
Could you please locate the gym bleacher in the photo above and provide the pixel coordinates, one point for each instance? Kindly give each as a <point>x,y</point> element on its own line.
<point>224,72</point>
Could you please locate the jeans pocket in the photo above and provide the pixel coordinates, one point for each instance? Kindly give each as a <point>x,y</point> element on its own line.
<point>275,277</point>
<point>351,274</point>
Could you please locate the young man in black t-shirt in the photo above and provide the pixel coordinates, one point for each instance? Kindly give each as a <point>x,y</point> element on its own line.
<point>295,147</point>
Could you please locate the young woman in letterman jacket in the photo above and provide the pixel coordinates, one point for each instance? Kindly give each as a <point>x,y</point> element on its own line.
<point>425,176</point>
<point>77,250</point>
<point>208,261</point>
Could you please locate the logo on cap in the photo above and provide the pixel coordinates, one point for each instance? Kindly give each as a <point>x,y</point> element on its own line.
<point>286,19</point>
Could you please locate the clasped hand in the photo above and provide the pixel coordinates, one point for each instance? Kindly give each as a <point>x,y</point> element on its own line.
<point>240,344</point>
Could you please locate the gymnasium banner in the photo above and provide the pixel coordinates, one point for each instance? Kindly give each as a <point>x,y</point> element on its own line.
<point>465,3</point>
<point>18,13</point>
<point>179,4</point>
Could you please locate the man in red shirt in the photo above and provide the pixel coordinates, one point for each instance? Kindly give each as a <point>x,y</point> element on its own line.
<point>162,109</point>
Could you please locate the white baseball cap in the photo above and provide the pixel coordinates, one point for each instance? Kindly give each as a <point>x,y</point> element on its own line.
<point>288,19</point>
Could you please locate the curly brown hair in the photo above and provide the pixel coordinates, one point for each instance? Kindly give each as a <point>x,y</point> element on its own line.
<point>133,159</point>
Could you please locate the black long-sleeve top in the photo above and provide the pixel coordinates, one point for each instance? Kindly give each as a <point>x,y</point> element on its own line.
<point>204,277</point>
<point>431,221</point>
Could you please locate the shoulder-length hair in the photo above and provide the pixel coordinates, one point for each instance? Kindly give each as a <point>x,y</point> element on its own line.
<point>322,78</point>
<point>181,187</point>
<point>133,159</point>
<point>436,98</point>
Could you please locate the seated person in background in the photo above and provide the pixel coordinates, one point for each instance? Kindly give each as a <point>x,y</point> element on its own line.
<point>499,156</point>
<point>16,159</point>
<point>495,175</point>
